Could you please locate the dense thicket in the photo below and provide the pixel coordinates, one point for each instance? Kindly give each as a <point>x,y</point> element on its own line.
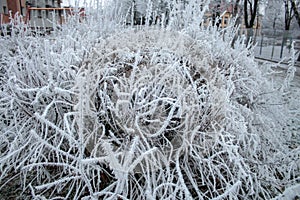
<point>97,110</point>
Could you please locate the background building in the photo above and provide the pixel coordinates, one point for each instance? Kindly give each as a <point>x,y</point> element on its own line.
<point>15,6</point>
<point>44,3</point>
<point>3,7</point>
<point>43,13</point>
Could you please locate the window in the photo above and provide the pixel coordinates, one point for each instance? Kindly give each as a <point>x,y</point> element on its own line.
<point>39,14</point>
<point>43,13</point>
<point>23,11</point>
<point>225,20</point>
<point>33,3</point>
<point>5,10</point>
<point>48,4</point>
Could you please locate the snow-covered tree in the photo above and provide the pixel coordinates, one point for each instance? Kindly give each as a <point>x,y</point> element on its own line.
<point>281,14</point>
<point>274,15</point>
<point>296,9</point>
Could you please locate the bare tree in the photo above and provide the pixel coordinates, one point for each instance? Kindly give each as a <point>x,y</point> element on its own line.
<point>295,6</point>
<point>235,14</point>
<point>236,8</point>
<point>288,14</point>
<point>282,12</point>
<point>274,15</point>
<point>250,12</point>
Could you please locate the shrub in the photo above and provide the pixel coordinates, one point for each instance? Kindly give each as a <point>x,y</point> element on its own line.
<point>150,113</point>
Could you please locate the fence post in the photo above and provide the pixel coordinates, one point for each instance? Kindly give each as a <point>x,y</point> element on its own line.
<point>261,44</point>
<point>284,38</point>
<point>282,45</point>
<point>273,47</point>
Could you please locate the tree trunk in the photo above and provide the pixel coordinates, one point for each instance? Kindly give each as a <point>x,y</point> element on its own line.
<point>287,15</point>
<point>237,22</point>
<point>253,12</point>
<point>133,13</point>
<point>294,7</point>
<point>246,13</point>
<point>250,23</point>
<point>236,7</point>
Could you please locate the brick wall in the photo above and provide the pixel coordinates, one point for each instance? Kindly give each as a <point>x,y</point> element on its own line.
<point>4,19</point>
<point>14,6</point>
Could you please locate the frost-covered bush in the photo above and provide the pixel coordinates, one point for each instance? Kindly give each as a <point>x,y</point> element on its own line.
<point>88,113</point>
<point>37,76</point>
